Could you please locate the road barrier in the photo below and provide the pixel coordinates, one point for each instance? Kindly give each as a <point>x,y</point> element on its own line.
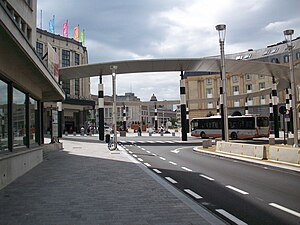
<point>206,143</point>
<point>284,154</point>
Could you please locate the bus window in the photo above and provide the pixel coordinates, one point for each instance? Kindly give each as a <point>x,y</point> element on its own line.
<point>262,121</point>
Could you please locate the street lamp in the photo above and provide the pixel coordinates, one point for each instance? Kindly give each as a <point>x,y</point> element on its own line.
<point>113,70</point>
<point>221,28</point>
<point>288,37</point>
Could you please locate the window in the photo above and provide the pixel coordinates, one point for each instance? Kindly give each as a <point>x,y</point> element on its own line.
<point>66,87</point>
<point>76,87</point>
<point>250,101</point>
<point>266,52</point>
<point>262,99</point>
<point>261,76</point>
<point>248,76</point>
<point>236,103</point>
<point>297,55</point>
<point>32,113</point>
<point>262,85</point>
<point>18,117</point>
<point>65,58</point>
<point>236,90</point>
<point>209,92</point>
<point>274,50</point>
<point>249,88</point>
<point>275,60</point>
<point>235,79</point>
<point>286,59</point>
<point>39,49</point>
<point>76,59</point>
<point>210,105</point>
<point>3,117</point>
<point>208,81</point>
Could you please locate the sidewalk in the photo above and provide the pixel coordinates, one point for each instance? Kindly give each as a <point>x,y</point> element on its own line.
<point>87,184</point>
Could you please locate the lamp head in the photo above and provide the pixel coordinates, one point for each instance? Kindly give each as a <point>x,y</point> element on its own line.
<point>288,34</point>
<point>221,28</point>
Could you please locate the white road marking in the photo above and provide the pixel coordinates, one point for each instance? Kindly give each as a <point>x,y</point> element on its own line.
<point>176,151</point>
<point>154,154</point>
<point>130,152</point>
<point>156,171</point>
<point>138,146</point>
<point>237,190</point>
<point>148,152</point>
<point>206,177</point>
<point>173,163</point>
<point>285,209</point>
<point>151,142</point>
<point>231,217</point>
<point>134,155</point>
<point>266,168</point>
<point>187,169</point>
<point>171,180</point>
<point>170,142</point>
<point>195,195</point>
<point>143,149</point>
<point>162,158</point>
<point>141,160</point>
<point>147,164</point>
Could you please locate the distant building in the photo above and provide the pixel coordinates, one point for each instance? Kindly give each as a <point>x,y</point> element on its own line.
<point>78,103</point>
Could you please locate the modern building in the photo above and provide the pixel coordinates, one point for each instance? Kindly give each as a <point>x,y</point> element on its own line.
<point>78,104</point>
<point>25,86</point>
<point>205,86</point>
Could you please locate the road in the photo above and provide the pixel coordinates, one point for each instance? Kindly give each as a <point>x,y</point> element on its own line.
<point>238,192</point>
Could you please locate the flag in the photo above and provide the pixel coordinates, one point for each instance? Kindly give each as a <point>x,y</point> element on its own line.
<point>65,29</point>
<point>82,37</point>
<point>51,25</point>
<point>76,33</point>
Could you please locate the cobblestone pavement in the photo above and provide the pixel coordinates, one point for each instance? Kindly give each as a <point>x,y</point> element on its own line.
<point>87,184</point>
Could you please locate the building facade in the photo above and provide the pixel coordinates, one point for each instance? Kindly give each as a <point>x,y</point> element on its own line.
<point>205,86</point>
<point>25,86</point>
<point>78,104</point>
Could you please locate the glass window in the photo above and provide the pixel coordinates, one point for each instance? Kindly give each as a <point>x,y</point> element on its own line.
<point>286,58</point>
<point>65,58</point>
<point>249,87</point>
<point>236,88</point>
<point>262,85</point>
<point>297,55</point>
<point>208,81</point>
<point>66,87</point>
<point>3,117</point>
<point>235,79</point>
<point>76,59</point>
<point>77,87</point>
<point>248,76</point>
<point>275,60</point>
<point>18,117</point>
<point>39,49</point>
<point>32,116</point>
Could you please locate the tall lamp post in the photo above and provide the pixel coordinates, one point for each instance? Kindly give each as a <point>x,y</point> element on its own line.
<point>221,28</point>
<point>113,70</point>
<point>288,37</point>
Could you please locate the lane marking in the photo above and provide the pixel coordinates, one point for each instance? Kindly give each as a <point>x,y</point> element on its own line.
<point>173,163</point>
<point>237,190</point>
<point>206,177</point>
<point>143,149</point>
<point>195,195</point>
<point>231,217</point>
<point>130,152</point>
<point>156,171</point>
<point>162,158</point>
<point>151,142</point>
<point>154,154</point>
<point>171,180</point>
<point>176,151</point>
<point>138,146</point>
<point>285,209</point>
<point>187,169</point>
<point>148,152</point>
<point>141,160</point>
<point>134,155</point>
<point>147,164</point>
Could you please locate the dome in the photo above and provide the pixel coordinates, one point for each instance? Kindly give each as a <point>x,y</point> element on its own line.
<point>153,98</point>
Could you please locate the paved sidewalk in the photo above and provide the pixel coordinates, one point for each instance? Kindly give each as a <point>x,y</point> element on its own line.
<point>87,184</point>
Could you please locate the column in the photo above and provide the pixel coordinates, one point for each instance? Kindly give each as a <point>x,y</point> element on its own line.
<point>187,119</point>
<point>101,109</point>
<point>183,109</point>
<point>113,70</point>
<point>218,109</point>
<point>155,117</point>
<point>246,107</point>
<point>272,135</point>
<point>59,118</point>
<point>222,111</point>
<point>275,107</point>
<point>124,117</point>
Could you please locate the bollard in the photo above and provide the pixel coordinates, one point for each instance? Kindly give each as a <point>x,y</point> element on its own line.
<point>150,134</point>
<point>173,134</point>
<point>271,141</point>
<point>161,134</point>
<point>66,133</point>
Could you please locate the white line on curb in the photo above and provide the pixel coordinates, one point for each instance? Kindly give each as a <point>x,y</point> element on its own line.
<point>285,209</point>
<point>171,180</point>
<point>141,160</point>
<point>231,217</point>
<point>206,177</point>
<point>134,155</point>
<point>156,171</point>
<point>237,190</point>
<point>162,158</point>
<point>147,164</point>
<point>187,169</point>
<point>173,163</point>
<point>130,152</point>
<point>195,195</point>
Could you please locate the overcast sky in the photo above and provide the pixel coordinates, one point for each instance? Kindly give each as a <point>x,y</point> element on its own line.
<point>139,29</point>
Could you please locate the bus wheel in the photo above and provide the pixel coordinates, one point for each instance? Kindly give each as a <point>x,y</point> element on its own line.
<point>233,136</point>
<point>202,135</point>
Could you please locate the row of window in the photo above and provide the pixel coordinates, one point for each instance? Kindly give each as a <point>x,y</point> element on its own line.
<point>235,78</point>
<point>18,116</point>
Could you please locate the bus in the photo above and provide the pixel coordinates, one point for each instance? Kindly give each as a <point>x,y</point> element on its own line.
<point>239,127</point>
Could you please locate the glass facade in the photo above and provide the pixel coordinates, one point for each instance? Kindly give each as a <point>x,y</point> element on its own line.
<point>19,118</point>
<point>3,117</point>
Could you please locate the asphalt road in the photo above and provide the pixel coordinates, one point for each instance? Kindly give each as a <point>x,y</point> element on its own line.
<point>239,192</point>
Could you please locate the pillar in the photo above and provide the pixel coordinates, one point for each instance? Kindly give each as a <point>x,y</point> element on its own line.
<point>101,109</point>
<point>183,109</point>
<point>59,118</point>
<point>271,123</point>
<point>155,117</point>
<point>275,107</point>
<point>218,109</point>
<point>246,107</point>
<point>187,119</point>
<point>124,117</point>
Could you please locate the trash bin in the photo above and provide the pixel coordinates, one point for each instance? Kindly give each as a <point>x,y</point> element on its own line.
<point>107,138</point>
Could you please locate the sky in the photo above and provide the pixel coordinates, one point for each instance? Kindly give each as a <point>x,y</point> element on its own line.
<point>152,29</point>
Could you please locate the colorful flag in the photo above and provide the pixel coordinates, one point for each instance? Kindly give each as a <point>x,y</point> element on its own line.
<point>51,25</point>
<point>82,37</point>
<point>76,33</point>
<point>65,29</point>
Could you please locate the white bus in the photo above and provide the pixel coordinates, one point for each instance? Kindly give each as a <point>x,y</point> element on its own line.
<point>239,127</point>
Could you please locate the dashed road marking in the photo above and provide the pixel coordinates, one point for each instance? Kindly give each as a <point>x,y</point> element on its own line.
<point>173,163</point>
<point>148,152</point>
<point>154,154</point>
<point>143,149</point>
<point>147,164</point>
<point>134,155</point>
<point>141,160</point>
<point>237,190</point>
<point>162,158</point>
<point>130,152</point>
<point>156,171</point>
<point>231,217</point>
<point>171,180</point>
<point>206,177</point>
<point>187,169</point>
<point>138,146</point>
<point>290,211</point>
<point>190,192</point>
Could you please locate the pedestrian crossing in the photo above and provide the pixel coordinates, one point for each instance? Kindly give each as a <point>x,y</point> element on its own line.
<point>126,142</point>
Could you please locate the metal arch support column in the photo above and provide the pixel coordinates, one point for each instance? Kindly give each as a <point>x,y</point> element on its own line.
<point>183,109</point>
<point>271,118</point>
<point>59,118</point>
<point>124,117</point>
<point>275,107</point>
<point>187,119</point>
<point>155,118</point>
<point>113,70</point>
<point>218,108</point>
<point>101,109</point>
<point>246,107</point>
